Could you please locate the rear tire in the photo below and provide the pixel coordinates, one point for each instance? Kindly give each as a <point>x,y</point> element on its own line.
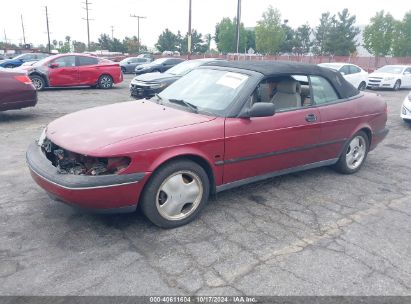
<point>354,154</point>
<point>105,82</point>
<point>175,194</point>
<point>38,82</point>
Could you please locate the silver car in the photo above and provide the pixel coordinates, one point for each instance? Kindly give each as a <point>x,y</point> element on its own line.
<point>128,65</point>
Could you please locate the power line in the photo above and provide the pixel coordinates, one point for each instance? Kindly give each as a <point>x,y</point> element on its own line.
<point>48,30</point>
<point>138,28</point>
<point>88,22</point>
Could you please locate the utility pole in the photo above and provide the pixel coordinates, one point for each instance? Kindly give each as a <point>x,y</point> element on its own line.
<point>138,28</point>
<point>48,30</point>
<point>22,26</point>
<point>88,22</point>
<point>5,36</point>
<point>189,30</point>
<point>112,32</point>
<point>238,25</point>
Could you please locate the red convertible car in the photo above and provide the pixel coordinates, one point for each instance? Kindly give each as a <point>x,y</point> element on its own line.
<point>75,70</point>
<point>16,91</point>
<point>222,125</point>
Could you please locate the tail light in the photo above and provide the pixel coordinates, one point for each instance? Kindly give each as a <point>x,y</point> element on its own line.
<point>23,79</point>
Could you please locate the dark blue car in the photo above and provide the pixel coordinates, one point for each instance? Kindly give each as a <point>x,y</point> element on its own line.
<point>20,59</point>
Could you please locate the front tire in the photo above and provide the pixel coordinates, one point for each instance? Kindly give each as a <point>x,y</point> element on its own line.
<point>123,69</point>
<point>354,154</point>
<point>397,85</point>
<point>362,86</point>
<point>175,194</point>
<point>38,82</point>
<point>105,82</point>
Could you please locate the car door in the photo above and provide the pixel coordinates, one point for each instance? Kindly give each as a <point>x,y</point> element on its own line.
<point>407,77</point>
<point>259,146</point>
<point>88,70</point>
<point>337,117</point>
<point>63,71</point>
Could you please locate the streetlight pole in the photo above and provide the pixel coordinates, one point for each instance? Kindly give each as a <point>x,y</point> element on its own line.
<point>48,30</point>
<point>138,28</point>
<point>189,30</point>
<point>238,26</point>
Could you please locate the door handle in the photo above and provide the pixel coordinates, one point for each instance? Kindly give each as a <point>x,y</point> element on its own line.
<point>310,118</point>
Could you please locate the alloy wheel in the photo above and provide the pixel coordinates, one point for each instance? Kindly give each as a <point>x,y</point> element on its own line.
<point>356,152</point>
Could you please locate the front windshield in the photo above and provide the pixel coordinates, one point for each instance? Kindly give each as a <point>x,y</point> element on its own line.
<point>184,67</point>
<point>392,69</point>
<point>330,66</point>
<point>209,90</point>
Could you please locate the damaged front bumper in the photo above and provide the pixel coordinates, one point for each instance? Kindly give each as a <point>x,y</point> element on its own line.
<point>102,193</point>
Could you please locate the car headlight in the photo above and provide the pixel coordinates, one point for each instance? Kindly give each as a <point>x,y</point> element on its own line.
<point>42,137</point>
<point>157,85</point>
<point>389,78</point>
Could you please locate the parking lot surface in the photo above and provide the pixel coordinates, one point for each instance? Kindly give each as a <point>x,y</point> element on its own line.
<point>310,233</point>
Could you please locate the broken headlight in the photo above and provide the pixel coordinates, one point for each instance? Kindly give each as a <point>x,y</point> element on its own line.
<point>42,137</point>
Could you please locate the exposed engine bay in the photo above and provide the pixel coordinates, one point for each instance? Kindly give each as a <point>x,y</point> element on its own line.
<point>68,162</point>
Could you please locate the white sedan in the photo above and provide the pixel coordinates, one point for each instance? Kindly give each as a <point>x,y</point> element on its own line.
<point>406,109</point>
<point>391,77</point>
<point>351,72</point>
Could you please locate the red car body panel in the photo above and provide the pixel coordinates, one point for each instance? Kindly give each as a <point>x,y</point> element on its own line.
<point>79,75</point>
<point>15,94</point>
<point>235,150</point>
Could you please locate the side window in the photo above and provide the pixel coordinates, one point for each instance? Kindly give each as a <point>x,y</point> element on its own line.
<point>408,70</point>
<point>141,60</point>
<point>345,70</point>
<point>354,69</point>
<point>322,90</point>
<point>66,61</point>
<point>83,60</point>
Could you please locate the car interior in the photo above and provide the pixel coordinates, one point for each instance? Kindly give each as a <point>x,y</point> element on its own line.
<point>284,92</point>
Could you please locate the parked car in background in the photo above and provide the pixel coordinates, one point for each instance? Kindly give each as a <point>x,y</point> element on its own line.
<point>391,77</point>
<point>26,66</point>
<point>128,65</point>
<point>351,72</point>
<point>20,59</point>
<point>215,128</point>
<point>148,56</point>
<point>66,70</point>
<point>406,109</point>
<point>147,85</point>
<point>16,90</point>
<point>159,65</point>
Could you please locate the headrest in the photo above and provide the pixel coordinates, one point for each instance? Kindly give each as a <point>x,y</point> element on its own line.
<point>289,87</point>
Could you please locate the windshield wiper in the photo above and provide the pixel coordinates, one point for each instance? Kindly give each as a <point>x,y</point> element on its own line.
<point>184,103</point>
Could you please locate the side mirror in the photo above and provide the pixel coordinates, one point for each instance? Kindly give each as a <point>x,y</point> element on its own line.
<point>262,109</point>
<point>53,65</point>
<point>342,73</point>
<point>128,62</point>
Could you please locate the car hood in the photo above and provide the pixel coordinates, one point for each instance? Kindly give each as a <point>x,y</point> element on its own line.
<point>383,75</point>
<point>157,76</point>
<point>87,131</point>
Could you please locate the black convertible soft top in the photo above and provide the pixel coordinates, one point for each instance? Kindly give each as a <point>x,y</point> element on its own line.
<point>281,68</point>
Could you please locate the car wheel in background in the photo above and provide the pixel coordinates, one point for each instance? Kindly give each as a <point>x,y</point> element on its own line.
<point>397,85</point>
<point>354,154</point>
<point>175,194</point>
<point>123,69</point>
<point>38,82</point>
<point>105,82</point>
<point>362,86</point>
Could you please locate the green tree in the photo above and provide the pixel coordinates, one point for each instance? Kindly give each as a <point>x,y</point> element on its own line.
<point>66,46</point>
<point>378,35</point>
<point>225,35</point>
<point>167,41</point>
<point>131,45</point>
<point>302,40</point>
<point>94,46</point>
<point>197,43</point>
<point>250,39</point>
<point>208,39</point>
<point>321,33</point>
<point>78,46</point>
<point>402,37</point>
<point>340,41</point>
<point>269,35</point>
<point>288,43</point>
<point>105,42</point>
<point>117,46</point>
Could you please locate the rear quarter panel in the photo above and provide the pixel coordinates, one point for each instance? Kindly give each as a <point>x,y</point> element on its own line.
<point>89,75</point>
